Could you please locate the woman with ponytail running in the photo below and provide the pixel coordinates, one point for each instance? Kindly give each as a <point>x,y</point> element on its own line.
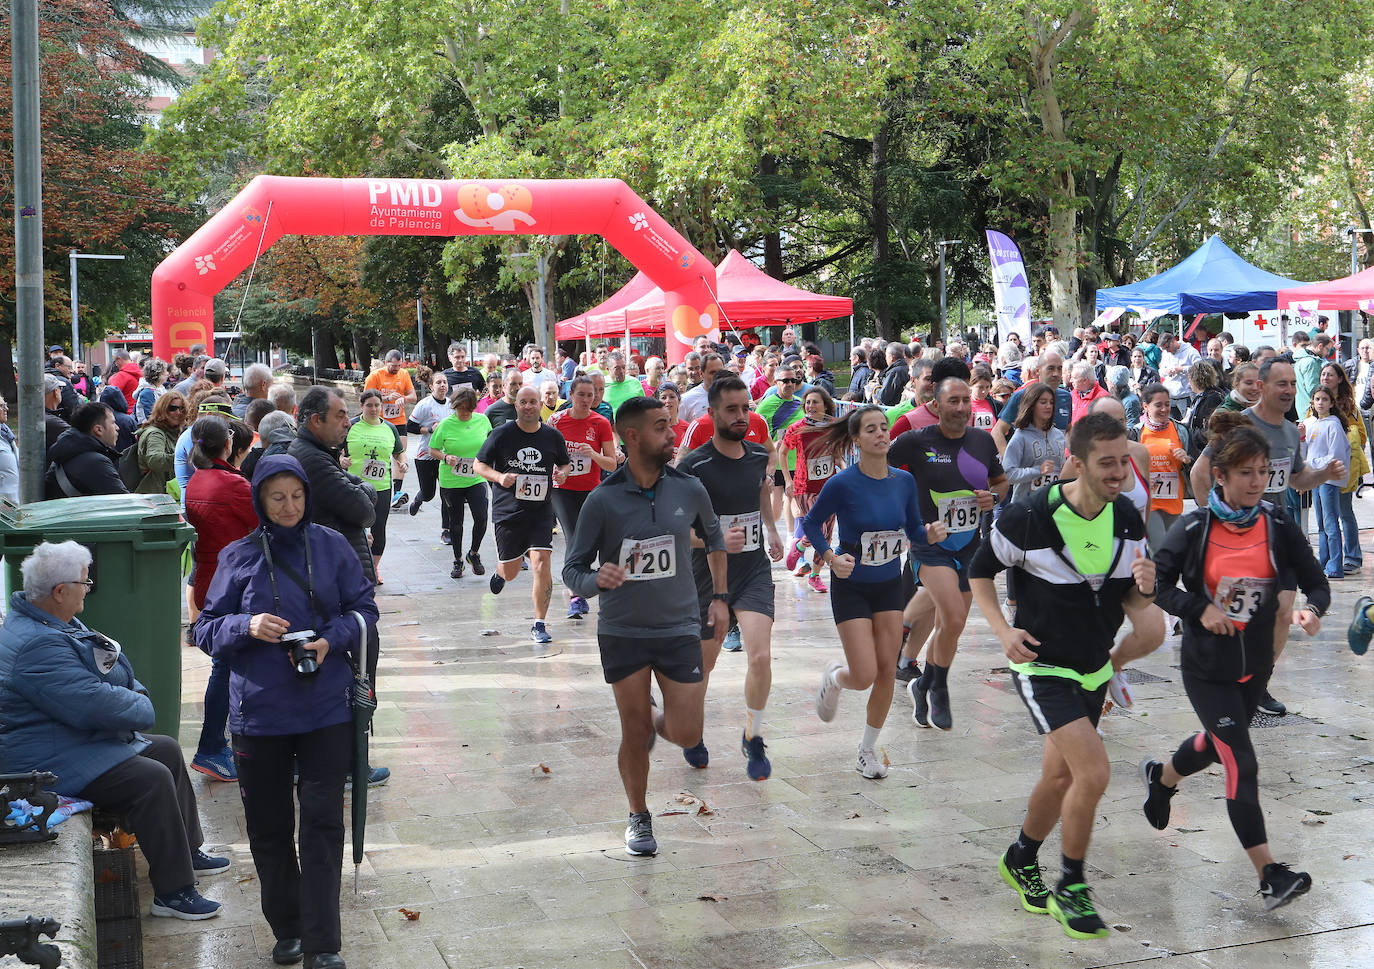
<point>811,473</point>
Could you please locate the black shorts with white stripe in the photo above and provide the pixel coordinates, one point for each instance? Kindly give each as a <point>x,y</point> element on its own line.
<point>1057,701</point>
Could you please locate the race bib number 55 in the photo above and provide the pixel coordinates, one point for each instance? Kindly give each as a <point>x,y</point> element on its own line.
<point>646,559</point>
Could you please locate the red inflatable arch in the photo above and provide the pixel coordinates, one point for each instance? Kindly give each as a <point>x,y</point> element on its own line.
<point>269,207</point>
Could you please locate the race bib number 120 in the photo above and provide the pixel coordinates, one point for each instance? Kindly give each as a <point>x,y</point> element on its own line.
<point>646,559</point>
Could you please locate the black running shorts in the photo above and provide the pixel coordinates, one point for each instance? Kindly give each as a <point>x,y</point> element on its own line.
<point>517,534</point>
<point>754,593</point>
<point>860,600</point>
<point>1056,701</point>
<point>676,657</point>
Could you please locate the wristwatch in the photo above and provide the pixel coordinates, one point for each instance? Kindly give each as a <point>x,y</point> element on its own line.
<point>721,596</point>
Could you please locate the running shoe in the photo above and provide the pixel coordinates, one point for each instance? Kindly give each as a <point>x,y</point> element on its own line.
<point>937,699</point>
<point>400,501</point>
<point>1361,629</point>
<point>525,564</point>
<point>497,583</point>
<point>756,761</point>
<point>572,608</point>
<point>793,554</point>
<point>802,570</point>
<point>733,643</point>
<point>1157,794</point>
<point>816,584</point>
<point>1072,906</point>
<point>187,904</point>
<point>1120,691</point>
<point>697,756</point>
<point>457,571</point>
<point>415,505</point>
<point>475,561</point>
<point>870,764</point>
<point>446,536</point>
<point>920,710</point>
<point>1027,883</point>
<point>639,836</point>
<point>376,777</point>
<point>218,767</point>
<point>828,696</point>
<point>1272,707</point>
<point>1281,884</point>
<point>907,671</point>
<point>203,864</point>
<point>539,634</point>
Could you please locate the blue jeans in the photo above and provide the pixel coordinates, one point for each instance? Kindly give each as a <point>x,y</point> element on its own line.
<point>1350,532</point>
<point>212,735</point>
<point>1330,550</point>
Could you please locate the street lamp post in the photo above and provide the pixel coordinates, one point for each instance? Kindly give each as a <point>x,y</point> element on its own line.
<point>1354,232</point>
<point>73,256</point>
<point>942,244</point>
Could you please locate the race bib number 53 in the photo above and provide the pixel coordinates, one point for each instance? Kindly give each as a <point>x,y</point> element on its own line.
<point>1241,598</point>
<point>646,559</point>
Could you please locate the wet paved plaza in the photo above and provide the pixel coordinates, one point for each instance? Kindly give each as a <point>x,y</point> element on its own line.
<point>499,840</point>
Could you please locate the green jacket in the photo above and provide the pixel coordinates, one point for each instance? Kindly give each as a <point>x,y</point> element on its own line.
<point>1308,367</point>
<point>156,458</point>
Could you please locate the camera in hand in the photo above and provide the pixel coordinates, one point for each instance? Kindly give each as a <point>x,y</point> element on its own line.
<point>303,659</point>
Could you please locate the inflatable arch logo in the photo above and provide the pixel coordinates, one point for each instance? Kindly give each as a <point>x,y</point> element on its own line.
<point>269,207</point>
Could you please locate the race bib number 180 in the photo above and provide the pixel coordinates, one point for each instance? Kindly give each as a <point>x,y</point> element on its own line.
<point>879,548</point>
<point>373,470</point>
<point>646,559</point>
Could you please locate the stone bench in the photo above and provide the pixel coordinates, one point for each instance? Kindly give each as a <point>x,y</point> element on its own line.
<point>54,879</point>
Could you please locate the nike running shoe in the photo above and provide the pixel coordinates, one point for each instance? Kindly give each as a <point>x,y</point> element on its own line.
<point>816,584</point>
<point>1281,884</point>
<point>539,634</point>
<point>1361,629</point>
<point>1157,794</point>
<point>497,583</point>
<point>1072,906</point>
<point>920,710</point>
<point>756,761</point>
<point>733,643</point>
<point>793,554</point>
<point>639,836</point>
<point>697,756</point>
<point>1120,691</point>
<point>1027,883</point>
<point>870,764</point>
<point>828,696</point>
<point>937,699</point>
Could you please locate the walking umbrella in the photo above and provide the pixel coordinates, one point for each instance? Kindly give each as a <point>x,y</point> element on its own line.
<point>364,702</point>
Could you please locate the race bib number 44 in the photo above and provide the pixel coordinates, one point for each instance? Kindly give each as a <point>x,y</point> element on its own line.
<point>959,513</point>
<point>879,548</point>
<point>752,525</point>
<point>1279,470</point>
<point>646,559</point>
<point>1241,598</point>
<point>531,487</point>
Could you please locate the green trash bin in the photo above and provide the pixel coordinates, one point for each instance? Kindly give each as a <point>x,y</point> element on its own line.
<point>136,544</point>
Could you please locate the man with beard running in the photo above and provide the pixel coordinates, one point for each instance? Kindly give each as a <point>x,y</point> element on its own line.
<point>639,523</point>
<point>522,459</point>
<point>735,473</point>
<point>1077,551</point>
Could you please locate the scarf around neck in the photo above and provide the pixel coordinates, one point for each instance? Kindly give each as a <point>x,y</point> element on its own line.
<point>1239,517</point>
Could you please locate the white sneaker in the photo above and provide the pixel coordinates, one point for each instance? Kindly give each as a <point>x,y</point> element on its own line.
<point>828,696</point>
<point>870,764</point>
<point>1120,691</point>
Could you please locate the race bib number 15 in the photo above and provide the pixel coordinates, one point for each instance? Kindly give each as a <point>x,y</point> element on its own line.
<point>753,528</point>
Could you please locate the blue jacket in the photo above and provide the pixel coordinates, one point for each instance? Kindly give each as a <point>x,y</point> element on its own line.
<point>266,697</point>
<point>58,712</point>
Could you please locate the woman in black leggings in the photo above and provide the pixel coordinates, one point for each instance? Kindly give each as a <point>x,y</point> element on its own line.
<point>1234,556</point>
<point>456,442</point>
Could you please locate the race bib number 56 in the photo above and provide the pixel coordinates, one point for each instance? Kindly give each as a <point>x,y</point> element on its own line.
<point>646,559</point>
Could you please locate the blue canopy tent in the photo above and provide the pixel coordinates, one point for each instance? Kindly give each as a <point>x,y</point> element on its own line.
<point>1212,280</point>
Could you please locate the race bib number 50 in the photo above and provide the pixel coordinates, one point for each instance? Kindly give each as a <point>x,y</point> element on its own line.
<point>531,487</point>
<point>879,548</point>
<point>646,559</point>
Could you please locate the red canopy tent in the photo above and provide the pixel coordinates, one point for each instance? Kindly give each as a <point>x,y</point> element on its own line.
<point>584,326</point>
<point>1350,293</point>
<point>746,295</point>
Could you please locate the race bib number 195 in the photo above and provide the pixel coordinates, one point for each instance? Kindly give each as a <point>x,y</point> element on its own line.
<point>959,513</point>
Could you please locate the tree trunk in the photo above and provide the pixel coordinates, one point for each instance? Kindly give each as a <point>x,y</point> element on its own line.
<point>362,350</point>
<point>882,250</point>
<point>322,348</point>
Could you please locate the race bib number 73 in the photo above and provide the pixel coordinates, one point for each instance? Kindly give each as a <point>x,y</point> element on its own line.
<point>1279,470</point>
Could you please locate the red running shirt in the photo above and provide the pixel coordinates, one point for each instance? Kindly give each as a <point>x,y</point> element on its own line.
<point>593,430</point>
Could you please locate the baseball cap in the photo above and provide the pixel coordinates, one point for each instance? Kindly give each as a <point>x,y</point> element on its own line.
<point>54,349</point>
<point>215,366</point>
<point>1113,336</point>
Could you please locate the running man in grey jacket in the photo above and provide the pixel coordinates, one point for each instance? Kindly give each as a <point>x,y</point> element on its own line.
<point>638,523</point>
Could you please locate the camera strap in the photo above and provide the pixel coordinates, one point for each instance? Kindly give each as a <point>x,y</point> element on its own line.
<point>305,584</point>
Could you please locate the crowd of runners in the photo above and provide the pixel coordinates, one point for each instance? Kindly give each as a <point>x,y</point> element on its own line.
<point>1159,493</point>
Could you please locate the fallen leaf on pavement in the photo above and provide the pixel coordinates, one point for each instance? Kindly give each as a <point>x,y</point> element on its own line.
<point>410,916</point>
<point>541,769</point>
<point>692,803</point>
